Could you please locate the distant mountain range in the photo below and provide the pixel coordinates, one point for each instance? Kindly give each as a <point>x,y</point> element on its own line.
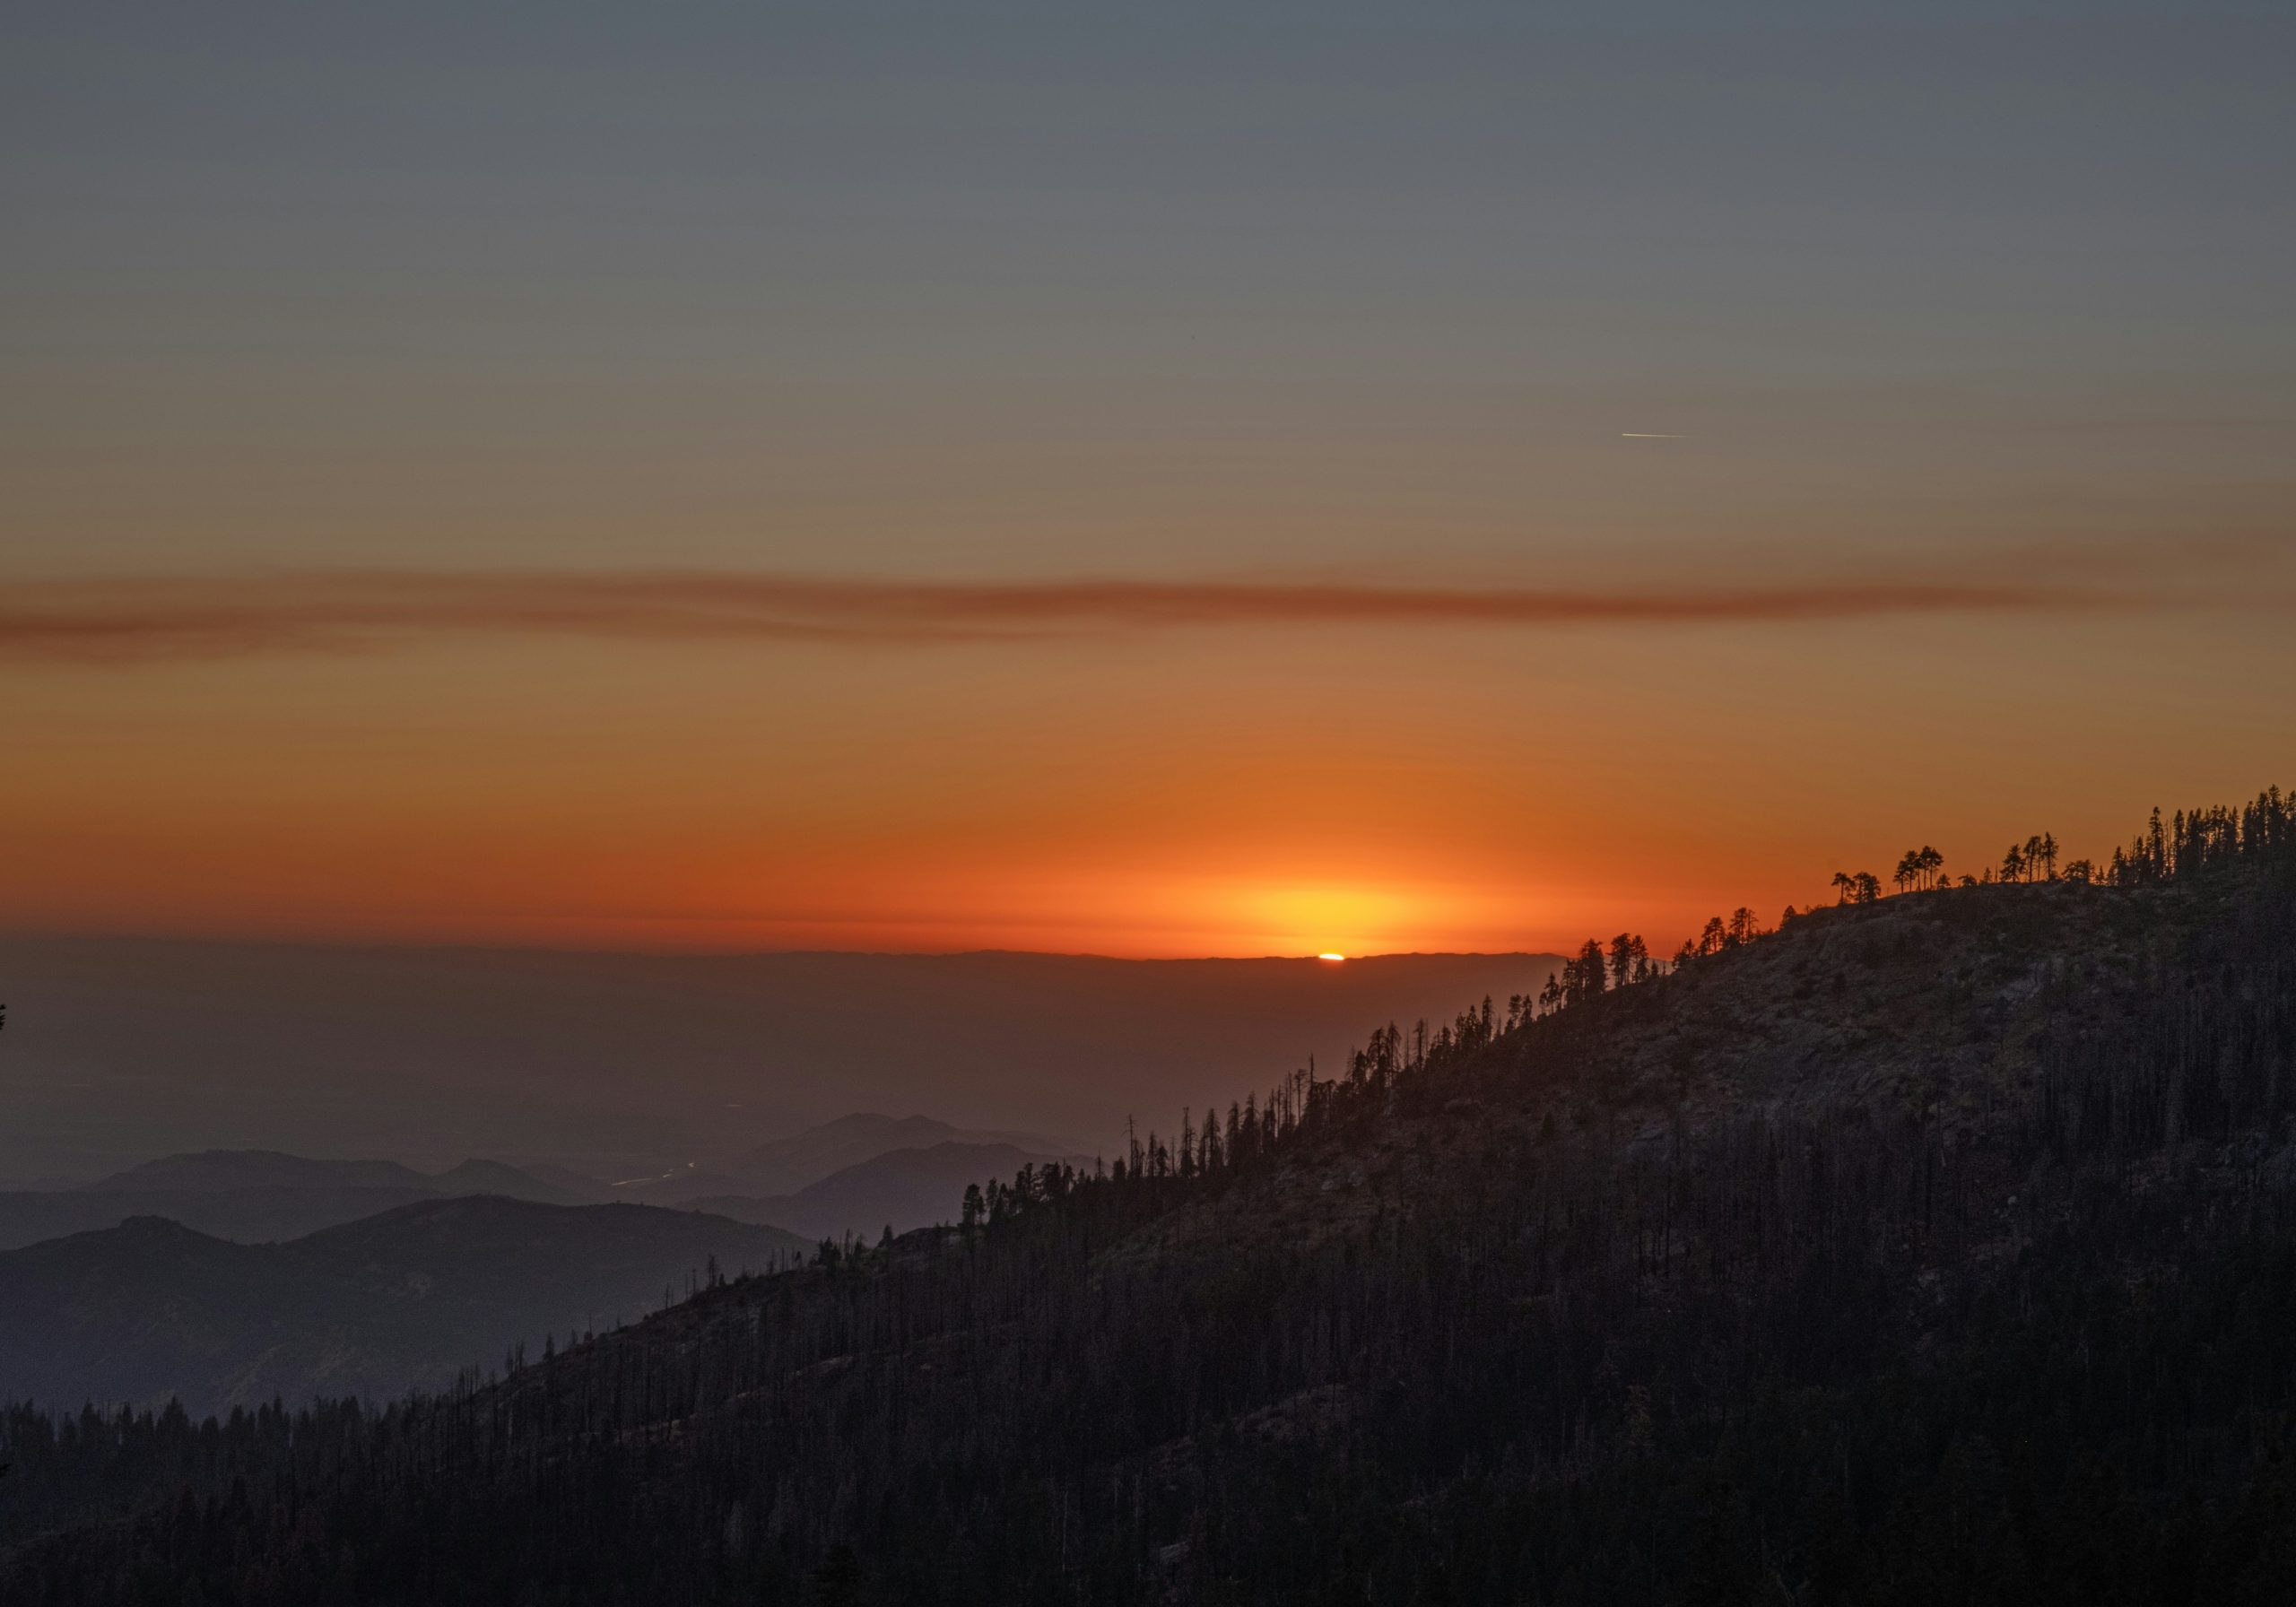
<point>858,1174</point>
<point>258,1196</point>
<point>401,1300</point>
<point>229,1276</point>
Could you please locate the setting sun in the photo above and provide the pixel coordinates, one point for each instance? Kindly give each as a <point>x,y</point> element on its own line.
<point>1335,958</point>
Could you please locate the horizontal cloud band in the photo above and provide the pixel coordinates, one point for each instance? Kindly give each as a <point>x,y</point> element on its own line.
<point>97,621</point>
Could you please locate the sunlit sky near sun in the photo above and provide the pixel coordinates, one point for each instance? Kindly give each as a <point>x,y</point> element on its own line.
<point>1178,480</point>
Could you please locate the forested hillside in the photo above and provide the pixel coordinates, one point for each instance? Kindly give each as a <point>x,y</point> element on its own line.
<point>1934,1247</point>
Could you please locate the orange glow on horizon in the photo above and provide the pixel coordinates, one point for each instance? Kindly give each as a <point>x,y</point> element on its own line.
<point>1236,803</point>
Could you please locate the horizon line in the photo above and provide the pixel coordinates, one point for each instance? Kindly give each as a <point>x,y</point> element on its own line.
<point>443,945</point>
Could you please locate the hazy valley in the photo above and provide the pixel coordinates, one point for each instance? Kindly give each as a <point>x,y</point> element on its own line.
<point>623,1066</point>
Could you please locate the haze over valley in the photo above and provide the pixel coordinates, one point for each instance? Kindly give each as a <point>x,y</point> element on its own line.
<point>626,1066</point>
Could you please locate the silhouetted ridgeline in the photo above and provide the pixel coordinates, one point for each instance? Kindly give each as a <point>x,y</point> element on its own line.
<point>1939,1247</point>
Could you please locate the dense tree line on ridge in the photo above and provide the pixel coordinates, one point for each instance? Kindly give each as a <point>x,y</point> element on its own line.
<point>1587,1338</point>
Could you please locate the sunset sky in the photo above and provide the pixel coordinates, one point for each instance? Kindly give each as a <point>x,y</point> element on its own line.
<point>1149,480</point>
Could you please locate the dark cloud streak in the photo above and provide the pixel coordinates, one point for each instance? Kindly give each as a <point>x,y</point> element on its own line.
<point>195,617</point>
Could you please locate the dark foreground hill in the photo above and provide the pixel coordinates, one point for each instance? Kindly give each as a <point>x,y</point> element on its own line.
<point>1942,1249</point>
<point>400,1301</point>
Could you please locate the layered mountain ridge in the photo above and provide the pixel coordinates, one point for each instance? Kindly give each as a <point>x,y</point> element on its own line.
<point>253,1197</point>
<point>150,1310</point>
